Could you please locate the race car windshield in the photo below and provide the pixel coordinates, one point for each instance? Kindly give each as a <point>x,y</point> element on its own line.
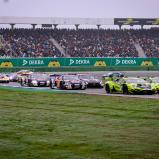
<point>115,75</point>
<point>135,81</point>
<point>70,77</point>
<point>24,71</point>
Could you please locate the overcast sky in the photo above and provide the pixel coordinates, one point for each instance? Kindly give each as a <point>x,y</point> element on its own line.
<point>81,8</point>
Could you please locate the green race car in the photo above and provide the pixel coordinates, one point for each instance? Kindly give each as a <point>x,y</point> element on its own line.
<point>154,82</point>
<point>129,85</point>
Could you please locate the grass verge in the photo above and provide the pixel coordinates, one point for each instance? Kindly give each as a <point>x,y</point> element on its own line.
<point>76,126</point>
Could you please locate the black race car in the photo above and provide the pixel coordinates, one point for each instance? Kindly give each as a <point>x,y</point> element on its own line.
<point>91,80</point>
<point>111,76</point>
<point>36,80</point>
<point>68,81</point>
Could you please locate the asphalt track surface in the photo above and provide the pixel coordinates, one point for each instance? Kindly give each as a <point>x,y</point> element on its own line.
<point>93,91</point>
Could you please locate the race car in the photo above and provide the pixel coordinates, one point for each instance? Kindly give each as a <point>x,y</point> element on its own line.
<point>22,74</point>
<point>112,75</point>
<point>4,78</point>
<point>129,85</point>
<point>69,81</point>
<point>91,80</point>
<point>36,80</point>
<point>53,80</point>
<point>12,77</point>
<point>154,82</point>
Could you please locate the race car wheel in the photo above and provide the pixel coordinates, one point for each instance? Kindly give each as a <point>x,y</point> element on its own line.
<point>83,88</point>
<point>21,82</point>
<point>29,84</point>
<point>52,85</point>
<point>125,90</point>
<point>107,89</point>
<point>62,86</point>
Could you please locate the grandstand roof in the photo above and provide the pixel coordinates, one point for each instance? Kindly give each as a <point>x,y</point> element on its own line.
<point>80,21</point>
<point>56,20</point>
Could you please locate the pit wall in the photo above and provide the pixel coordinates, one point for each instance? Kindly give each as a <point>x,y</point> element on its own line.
<point>78,64</point>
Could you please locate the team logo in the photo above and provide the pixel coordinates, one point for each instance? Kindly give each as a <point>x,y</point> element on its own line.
<point>100,63</point>
<point>146,63</point>
<point>6,64</point>
<point>117,62</point>
<point>54,63</point>
<point>24,62</point>
<point>156,22</point>
<point>128,21</point>
<point>71,62</point>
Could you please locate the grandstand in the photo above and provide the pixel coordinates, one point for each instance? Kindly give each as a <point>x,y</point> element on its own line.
<point>55,42</point>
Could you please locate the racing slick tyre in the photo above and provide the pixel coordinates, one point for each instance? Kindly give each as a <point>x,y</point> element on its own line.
<point>83,88</point>
<point>22,82</point>
<point>107,89</point>
<point>125,90</point>
<point>52,85</point>
<point>62,86</point>
<point>29,84</point>
<point>151,93</point>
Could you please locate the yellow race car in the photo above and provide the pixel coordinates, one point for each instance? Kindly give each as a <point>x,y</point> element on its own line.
<point>129,85</point>
<point>154,82</point>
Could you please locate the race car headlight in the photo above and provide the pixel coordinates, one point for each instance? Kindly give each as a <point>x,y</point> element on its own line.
<point>144,86</point>
<point>34,81</point>
<point>48,82</point>
<point>11,78</point>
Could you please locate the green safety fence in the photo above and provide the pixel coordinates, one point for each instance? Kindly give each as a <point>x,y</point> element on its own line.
<point>78,64</point>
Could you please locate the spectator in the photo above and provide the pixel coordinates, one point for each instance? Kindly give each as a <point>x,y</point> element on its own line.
<point>78,43</point>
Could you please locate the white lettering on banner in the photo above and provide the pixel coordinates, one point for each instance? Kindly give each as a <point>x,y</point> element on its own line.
<point>33,62</point>
<point>79,62</point>
<point>128,62</point>
<point>125,62</point>
<point>36,62</point>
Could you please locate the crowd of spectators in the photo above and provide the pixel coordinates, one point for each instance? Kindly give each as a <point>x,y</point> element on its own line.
<point>78,43</point>
<point>26,43</point>
<point>148,40</point>
<point>96,43</point>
